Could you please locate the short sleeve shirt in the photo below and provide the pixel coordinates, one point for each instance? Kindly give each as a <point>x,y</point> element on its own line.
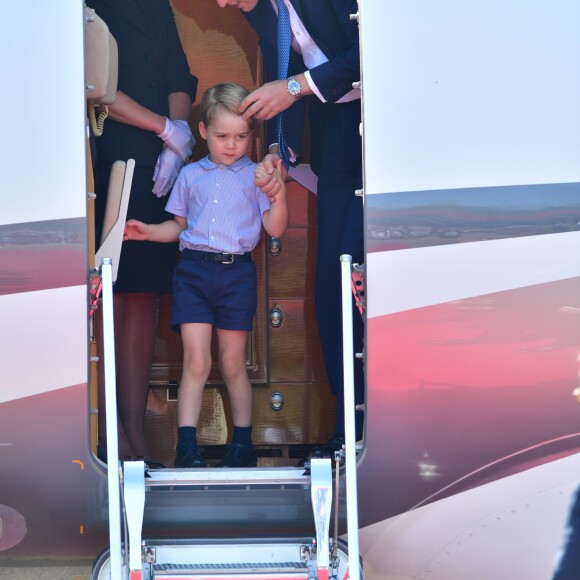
<point>222,205</point>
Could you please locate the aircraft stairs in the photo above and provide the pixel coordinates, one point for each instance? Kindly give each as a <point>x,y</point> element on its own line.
<point>232,524</point>
<point>275,557</point>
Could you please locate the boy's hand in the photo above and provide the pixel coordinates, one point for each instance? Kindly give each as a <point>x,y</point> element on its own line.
<point>136,230</point>
<point>261,176</point>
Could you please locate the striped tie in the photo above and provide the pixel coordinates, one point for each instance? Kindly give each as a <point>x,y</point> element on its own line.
<point>283,59</point>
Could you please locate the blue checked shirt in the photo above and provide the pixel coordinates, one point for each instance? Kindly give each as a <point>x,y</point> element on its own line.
<point>222,205</point>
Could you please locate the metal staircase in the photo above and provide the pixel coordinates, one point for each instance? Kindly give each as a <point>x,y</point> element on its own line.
<point>240,559</point>
<point>222,534</point>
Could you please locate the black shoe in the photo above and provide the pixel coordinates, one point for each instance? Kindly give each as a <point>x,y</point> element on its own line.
<point>188,455</point>
<point>334,444</point>
<point>150,464</point>
<point>101,453</point>
<point>239,456</point>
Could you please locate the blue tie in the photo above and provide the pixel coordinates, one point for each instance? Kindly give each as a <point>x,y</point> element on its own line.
<point>283,59</point>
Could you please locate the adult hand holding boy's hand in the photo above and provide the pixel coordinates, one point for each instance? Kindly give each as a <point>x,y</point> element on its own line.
<point>276,219</point>
<point>166,171</point>
<point>177,136</point>
<point>270,183</point>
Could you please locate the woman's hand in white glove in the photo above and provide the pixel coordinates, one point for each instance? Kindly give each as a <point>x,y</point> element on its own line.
<point>166,171</point>
<point>178,136</point>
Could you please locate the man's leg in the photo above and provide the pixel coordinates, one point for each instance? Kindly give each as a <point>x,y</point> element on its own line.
<point>340,231</point>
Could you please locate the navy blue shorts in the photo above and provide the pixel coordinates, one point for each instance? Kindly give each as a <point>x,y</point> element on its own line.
<point>223,295</point>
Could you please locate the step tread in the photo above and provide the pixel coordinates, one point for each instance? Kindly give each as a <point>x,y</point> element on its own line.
<point>239,476</point>
<point>237,567</point>
<point>247,571</point>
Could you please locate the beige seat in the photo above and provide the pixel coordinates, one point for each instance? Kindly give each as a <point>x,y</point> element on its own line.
<point>115,213</point>
<point>101,76</point>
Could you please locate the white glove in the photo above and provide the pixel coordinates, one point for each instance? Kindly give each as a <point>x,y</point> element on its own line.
<point>178,136</point>
<point>166,171</point>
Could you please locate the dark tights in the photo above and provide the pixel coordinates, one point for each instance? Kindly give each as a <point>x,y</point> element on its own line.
<point>135,328</point>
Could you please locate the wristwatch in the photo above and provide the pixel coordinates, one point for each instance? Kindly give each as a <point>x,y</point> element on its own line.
<point>294,88</point>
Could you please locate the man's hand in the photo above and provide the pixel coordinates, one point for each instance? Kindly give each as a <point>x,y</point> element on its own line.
<point>166,171</point>
<point>136,230</point>
<point>265,175</point>
<point>177,135</point>
<point>271,183</point>
<point>267,101</point>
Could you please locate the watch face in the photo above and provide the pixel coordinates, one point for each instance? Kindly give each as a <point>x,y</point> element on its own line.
<point>294,87</point>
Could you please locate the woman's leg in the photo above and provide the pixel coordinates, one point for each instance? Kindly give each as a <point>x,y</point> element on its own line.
<point>124,445</point>
<point>135,344</point>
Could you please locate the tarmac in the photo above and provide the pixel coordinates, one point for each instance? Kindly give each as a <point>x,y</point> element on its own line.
<point>46,573</point>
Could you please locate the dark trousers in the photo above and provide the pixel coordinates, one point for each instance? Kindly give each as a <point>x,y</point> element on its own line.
<point>568,564</point>
<point>340,231</point>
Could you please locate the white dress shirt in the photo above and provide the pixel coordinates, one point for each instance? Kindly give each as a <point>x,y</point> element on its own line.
<point>312,56</point>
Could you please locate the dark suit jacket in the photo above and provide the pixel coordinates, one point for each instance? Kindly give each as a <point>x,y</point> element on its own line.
<point>152,65</point>
<point>329,25</point>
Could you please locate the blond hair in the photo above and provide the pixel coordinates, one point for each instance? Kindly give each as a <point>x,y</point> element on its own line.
<point>226,96</point>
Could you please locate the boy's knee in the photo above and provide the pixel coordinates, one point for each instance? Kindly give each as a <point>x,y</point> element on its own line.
<point>199,366</point>
<point>231,367</point>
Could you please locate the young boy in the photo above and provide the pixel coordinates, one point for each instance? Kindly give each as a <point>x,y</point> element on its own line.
<point>219,211</point>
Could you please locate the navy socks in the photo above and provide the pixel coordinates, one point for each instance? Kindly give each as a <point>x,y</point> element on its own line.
<point>242,436</point>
